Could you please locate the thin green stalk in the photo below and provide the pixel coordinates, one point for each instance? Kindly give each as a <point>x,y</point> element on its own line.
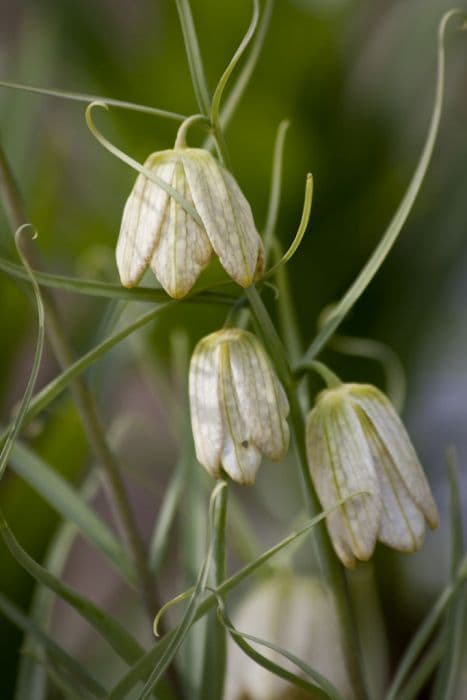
<point>215,647</point>
<point>425,631</point>
<point>330,566</point>
<point>224,79</point>
<point>193,52</point>
<point>82,97</point>
<point>81,676</point>
<point>18,420</point>
<point>419,678</point>
<point>275,189</point>
<point>143,667</point>
<point>321,689</point>
<point>454,625</point>
<point>294,246</point>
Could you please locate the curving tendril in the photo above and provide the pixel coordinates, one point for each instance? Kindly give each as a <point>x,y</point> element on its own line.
<point>224,79</point>
<point>391,234</point>
<point>17,422</point>
<point>301,229</point>
<point>171,191</point>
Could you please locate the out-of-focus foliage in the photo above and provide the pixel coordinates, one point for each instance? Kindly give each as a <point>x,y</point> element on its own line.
<point>356,79</point>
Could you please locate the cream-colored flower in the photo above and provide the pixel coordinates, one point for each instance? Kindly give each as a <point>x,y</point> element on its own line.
<point>297,614</point>
<point>238,406</point>
<point>156,230</point>
<point>357,442</point>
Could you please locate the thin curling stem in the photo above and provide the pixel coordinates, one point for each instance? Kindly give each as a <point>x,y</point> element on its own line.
<point>180,141</point>
<point>275,189</point>
<point>27,396</point>
<point>171,191</point>
<point>400,217</point>
<point>331,380</point>
<point>85,403</point>
<point>301,229</point>
<point>224,79</point>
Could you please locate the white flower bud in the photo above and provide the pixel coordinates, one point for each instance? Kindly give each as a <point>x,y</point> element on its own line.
<point>297,614</point>
<point>156,230</point>
<point>238,406</point>
<point>357,442</point>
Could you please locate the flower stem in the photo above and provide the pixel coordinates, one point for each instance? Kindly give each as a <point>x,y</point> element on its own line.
<point>330,566</point>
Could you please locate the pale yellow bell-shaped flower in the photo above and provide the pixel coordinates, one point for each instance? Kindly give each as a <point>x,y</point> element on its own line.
<point>238,406</point>
<point>299,615</point>
<point>357,442</point>
<point>157,230</point>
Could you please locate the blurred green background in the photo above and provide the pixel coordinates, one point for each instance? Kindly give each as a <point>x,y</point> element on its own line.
<point>356,79</point>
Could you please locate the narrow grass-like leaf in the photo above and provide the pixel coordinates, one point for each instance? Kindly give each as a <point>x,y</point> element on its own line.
<point>57,677</point>
<point>418,679</point>
<point>18,420</point>
<point>321,688</point>
<point>193,52</point>
<point>390,236</point>
<point>111,291</point>
<point>275,188</point>
<point>66,500</point>
<point>188,618</point>
<point>82,97</point>
<point>111,630</point>
<point>219,91</point>
<point>141,669</point>
<point>215,646</point>
<point>241,83</point>
<point>81,676</point>
<point>301,229</point>
<point>425,631</point>
<point>454,628</point>
<point>44,397</point>
<point>168,511</point>
<point>31,677</point>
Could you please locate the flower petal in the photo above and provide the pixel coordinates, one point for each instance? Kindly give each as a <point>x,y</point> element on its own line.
<point>391,431</point>
<point>142,216</point>
<point>206,418</point>
<point>226,215</point>
<point>183,249</point>
<point>261,398</point>
<point>341,465</point>
<point>402,521</point>
<point>240,456</point>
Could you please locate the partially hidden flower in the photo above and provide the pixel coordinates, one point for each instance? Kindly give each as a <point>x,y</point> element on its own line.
<point>295,613</point>
<point>157,230</point>
<point>356,442</point>
<point>238,405</point>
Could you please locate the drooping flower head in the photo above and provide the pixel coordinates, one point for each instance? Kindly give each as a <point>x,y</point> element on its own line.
<point>296,613</point>
<point>238,406</point>
<point>157,230</point>
<point>357,442</point>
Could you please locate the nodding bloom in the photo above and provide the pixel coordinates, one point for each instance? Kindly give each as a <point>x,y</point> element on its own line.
<point>296,613</point>
<point>238,406</point>
<point>357,442</point>
<point>157,230</point>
